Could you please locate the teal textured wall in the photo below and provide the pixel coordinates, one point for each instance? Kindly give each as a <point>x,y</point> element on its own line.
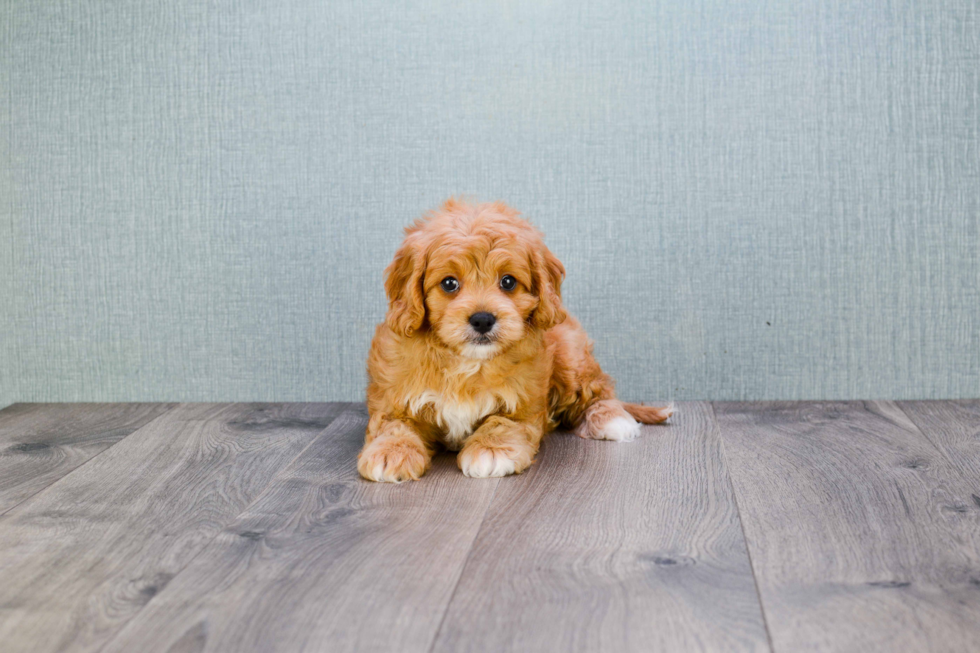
<point>753,199</point>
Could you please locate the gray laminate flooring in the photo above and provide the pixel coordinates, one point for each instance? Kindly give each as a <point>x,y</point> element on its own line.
<point>830,526</point>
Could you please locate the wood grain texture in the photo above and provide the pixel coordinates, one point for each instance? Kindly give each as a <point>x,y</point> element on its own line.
<point>80,558</point>
<point>40,443</point>
<point>863,536</point>
<point>245,528</point>
<point>954,427</point>
<point>324,561</point>
<point>612,547</point>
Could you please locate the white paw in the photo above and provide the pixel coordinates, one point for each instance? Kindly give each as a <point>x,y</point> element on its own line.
<point>387,461</point>
<point>618,429</point>
<point>478,462</point>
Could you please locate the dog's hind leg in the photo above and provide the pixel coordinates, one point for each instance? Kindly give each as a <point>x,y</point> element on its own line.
<point>611,419</point>
<point>649,414</point>
<point>607,420</point>
<point>583,396</point>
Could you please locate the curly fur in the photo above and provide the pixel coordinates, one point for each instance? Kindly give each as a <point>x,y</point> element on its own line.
<point>435,382</point>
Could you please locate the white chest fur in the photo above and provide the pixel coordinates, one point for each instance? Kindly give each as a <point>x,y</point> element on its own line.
<point>458,417</point>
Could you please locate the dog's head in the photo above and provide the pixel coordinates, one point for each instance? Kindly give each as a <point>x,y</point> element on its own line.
<point>478,276</point>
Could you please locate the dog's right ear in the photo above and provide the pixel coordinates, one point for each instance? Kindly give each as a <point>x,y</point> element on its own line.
<point>403,284</point>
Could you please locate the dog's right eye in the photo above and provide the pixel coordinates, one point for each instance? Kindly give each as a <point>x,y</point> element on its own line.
<point>449,284</point>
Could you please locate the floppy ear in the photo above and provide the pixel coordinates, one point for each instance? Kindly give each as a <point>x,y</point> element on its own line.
<point>548,274</point>
<point>403,284</point>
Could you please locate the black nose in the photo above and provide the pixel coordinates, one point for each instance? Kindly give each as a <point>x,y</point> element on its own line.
<point>482,322</point>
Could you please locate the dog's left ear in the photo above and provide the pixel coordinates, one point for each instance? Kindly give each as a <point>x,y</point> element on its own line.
<point>403,285</point>
<point>548,274</point>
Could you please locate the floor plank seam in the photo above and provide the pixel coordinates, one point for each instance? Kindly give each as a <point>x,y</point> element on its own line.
<point>231,520</point>
<point>462,569</point>
<point>741,526</point>
<point>84,463</point>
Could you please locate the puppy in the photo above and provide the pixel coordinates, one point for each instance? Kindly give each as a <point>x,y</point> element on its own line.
<point>477,355</point>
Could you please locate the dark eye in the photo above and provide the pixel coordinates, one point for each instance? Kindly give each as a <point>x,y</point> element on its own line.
<point>449,284</point>
<point>508,282</point>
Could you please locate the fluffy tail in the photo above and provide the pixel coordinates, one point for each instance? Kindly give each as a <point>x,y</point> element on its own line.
<point>649,414</point>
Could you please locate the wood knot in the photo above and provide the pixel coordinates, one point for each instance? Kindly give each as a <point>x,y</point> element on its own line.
<point>28,447</point>
<point>889,584</point>
<point>957,507</point>
<point>667,560</point>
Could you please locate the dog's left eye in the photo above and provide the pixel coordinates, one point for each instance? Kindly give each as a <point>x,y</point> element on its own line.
<point>449,284</point>
<point>508,282</point>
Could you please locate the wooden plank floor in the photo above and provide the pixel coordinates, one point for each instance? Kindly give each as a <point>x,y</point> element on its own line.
<point>737,527</point>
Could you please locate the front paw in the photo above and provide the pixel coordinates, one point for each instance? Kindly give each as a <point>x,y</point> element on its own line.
<point>479,461</point>
<point>387,460</point>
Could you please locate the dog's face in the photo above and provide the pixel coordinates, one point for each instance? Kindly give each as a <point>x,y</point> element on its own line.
<point>479,295</point>
<point>478,277</point>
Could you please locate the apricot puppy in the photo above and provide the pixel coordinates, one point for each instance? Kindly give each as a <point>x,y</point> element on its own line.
<point>477,355</point>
